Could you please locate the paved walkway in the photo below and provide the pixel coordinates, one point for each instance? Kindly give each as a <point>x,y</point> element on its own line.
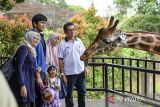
<point>89,103</point>
<point>101,103</point>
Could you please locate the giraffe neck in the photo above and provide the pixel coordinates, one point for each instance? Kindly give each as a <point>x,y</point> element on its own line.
<point>143,41</point>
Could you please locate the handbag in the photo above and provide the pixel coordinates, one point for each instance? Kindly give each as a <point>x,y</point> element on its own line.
<point>63,91</point>
<point>8,68</point>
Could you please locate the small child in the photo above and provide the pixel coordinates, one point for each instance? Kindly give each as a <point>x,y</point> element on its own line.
<point>50,93</point>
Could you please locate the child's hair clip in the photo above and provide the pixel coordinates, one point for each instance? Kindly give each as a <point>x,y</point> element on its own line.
<point>51,67</point>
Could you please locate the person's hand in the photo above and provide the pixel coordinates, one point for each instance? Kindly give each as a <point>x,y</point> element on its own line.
<point>39,69</point>
<point>64,78</point>
<point>86,72</point>
<point>23,91</point>
<point>39,82</point>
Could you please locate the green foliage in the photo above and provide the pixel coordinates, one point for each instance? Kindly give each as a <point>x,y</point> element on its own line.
<point>149,23</point>
<point>140,6</point>
<point>148,7</point>
<point>46,1</point>
<point>63,4</point>
<point>75,8</point>
<point>47,32</point>
<point>123,5</point>
<point>6,5</point>
<point>88,25</point>
<point>94,23</point>
<point>60,3</point>
<point>11,33</point>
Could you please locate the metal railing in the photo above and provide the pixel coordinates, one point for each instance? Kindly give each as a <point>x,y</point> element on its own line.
<point>130,73</point>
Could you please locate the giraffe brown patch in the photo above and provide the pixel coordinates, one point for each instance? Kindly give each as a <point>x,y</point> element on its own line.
<point>158,37</point>
<point>144,46</point>
<point>129,35</point>
<point>134,39</point>
<point>157,47</point>
<point>131,46</point>
<point>147,39</point>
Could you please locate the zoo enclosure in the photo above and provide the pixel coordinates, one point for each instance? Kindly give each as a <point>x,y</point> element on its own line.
<point>131,70</point>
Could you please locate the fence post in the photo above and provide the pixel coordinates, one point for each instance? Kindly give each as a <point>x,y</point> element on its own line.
<point>106,84</point>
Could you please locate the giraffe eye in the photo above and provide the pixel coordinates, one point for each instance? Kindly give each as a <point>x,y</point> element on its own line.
<point>86,53</point>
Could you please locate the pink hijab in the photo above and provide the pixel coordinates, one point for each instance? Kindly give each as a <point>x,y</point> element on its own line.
<point>52,51</point>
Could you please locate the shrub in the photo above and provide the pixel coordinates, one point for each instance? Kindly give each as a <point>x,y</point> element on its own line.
<point>12,32</point>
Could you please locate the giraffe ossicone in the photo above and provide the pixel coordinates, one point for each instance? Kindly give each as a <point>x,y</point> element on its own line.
<point>101,39</point>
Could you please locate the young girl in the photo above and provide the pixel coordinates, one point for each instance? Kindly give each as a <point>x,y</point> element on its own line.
<point>50,94</point>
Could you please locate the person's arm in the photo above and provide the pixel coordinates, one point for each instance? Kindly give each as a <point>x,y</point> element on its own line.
<point>63,77</point>
<point>19,63</point>
<point>7,98</point>
<point>61,57</point>
<point>61,66</point>
<point>37,75</point>
<point>39,80</point>
<point>86,71</point>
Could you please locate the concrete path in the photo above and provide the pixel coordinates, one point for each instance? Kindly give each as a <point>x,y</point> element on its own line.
<point>101,103</point>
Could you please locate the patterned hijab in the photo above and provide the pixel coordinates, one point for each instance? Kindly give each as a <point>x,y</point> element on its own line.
<point>27,41</point>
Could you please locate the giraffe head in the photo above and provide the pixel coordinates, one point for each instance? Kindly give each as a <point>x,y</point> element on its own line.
<point>101,39</point>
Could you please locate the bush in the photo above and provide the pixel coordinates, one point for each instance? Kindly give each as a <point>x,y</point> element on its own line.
<point>11,33</point>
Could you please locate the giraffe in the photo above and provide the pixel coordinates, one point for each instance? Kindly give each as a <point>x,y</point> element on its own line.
<point>100,40</point>
<point>147,41</point>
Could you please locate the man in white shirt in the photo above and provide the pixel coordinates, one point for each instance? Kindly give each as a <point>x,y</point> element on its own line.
<point>73,70</point>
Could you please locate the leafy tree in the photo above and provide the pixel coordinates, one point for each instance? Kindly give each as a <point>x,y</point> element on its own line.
<point>148,7</point>
<point>75,8</point>
<point>60,3</point>
<point>140,6</point>
<point>11,33</point>
<point>123,5</point>
<point>94,23</point>
<point>88,24</point>
<point>150,23</point>
<point>6,5</point>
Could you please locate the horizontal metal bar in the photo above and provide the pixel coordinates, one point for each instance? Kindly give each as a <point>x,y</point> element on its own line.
<point>126,67</point>
<point>127,59</point>
<point>93,89</point>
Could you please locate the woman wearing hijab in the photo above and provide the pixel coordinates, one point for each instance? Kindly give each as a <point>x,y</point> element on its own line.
<point>52,50</point>
<point>23,81</point>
